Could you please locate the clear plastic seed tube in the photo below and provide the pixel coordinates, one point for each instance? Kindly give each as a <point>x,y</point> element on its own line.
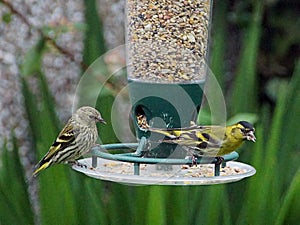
<point>167,40</point>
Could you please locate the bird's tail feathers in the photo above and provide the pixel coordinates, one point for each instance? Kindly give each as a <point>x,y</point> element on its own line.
<point>41,166</point>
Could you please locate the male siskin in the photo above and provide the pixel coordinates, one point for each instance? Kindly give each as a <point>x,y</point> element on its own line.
<point>209,141</point>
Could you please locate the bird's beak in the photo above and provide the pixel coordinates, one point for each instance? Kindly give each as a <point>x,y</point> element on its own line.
<point>101,120</point>
<point>250,136</point>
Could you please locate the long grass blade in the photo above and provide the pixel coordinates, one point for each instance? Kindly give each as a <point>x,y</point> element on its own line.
<point>245,85</point>
<point>156,212</point>
<point>288,213</point>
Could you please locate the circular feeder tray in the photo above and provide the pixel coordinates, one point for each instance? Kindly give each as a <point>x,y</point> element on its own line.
<point>161,174</point>
<point>131,168</point>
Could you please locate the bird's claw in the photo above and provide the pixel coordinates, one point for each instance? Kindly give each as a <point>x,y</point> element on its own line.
<point>194,161</point>
<point>76,163</point>
<point>219,160</point>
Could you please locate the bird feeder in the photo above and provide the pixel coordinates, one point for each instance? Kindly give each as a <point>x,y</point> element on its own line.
<point>167,51</point>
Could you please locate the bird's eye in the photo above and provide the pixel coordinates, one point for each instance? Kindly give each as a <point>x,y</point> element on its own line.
<point>91,117</point>
<point>243,130</point>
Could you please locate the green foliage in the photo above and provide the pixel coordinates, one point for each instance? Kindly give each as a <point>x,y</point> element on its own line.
<point>67,197</point>
<point>245,85</point>
<point>288,210</point>
<point>6,17</point>
<point>156,206</point>
<point>219,46</point>
<point>15,204</point>
<point>94,41</point>
<point>32,60</point>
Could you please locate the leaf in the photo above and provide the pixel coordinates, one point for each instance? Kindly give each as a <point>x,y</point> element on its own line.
<point>219,37</point>
<point>15,207</point>
<point>245,84</point>
<point>6,18</point>
<point>48,102</point>
<point>213,201</point>
<point>31,110</point>
<point>156,206</point>
<point>94,40</point>
<point>290,200</point>
<point>251,211</point>
<point>32,60</point>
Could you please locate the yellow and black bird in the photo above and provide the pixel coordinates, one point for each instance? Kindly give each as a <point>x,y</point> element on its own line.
<point>208,141</point>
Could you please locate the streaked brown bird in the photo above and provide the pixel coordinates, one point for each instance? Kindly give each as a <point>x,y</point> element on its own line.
<point>76,138</point>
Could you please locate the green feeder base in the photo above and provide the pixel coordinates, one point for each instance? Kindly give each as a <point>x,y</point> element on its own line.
<point>164,105</point>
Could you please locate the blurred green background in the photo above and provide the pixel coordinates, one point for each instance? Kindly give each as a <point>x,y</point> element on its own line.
<point>254,55</point>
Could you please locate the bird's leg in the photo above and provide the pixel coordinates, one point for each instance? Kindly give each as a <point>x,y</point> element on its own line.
<point>76,163</point>
<point>219,161</point>
<point>194,160</point>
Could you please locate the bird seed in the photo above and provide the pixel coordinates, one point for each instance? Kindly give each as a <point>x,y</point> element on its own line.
<point>167,40</point>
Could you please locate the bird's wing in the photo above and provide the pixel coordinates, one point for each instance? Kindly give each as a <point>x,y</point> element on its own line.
<point>199,138</point>
<point>202,138</point>
<point>174,133</point>
<point>65,138</point>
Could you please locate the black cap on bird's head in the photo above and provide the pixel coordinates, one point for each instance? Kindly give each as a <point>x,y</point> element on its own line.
<point>248,130</point>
